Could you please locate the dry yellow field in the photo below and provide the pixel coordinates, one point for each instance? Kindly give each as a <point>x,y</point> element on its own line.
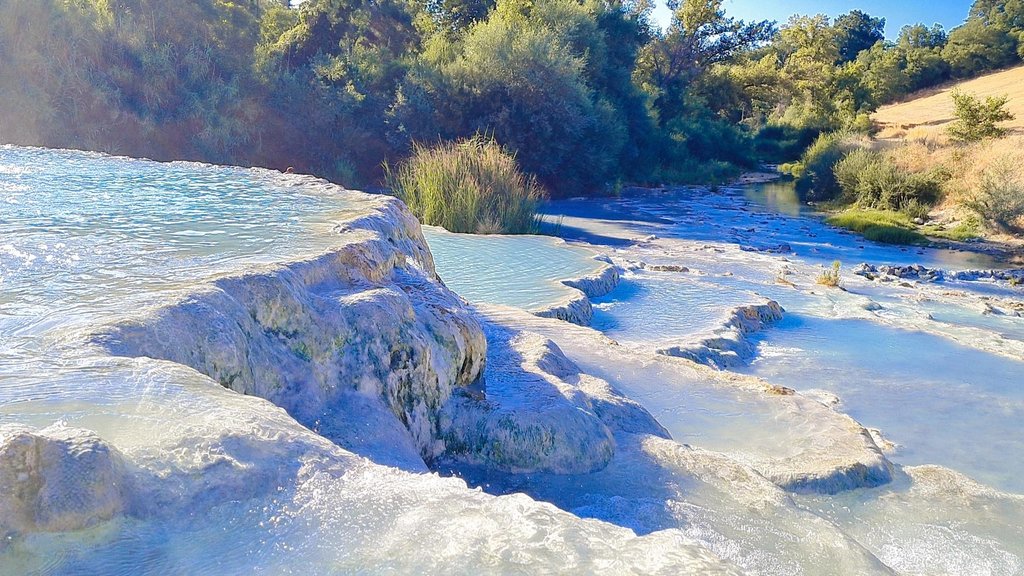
<point>931,110</point>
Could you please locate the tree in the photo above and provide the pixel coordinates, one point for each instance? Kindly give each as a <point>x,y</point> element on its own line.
<point>699,36</point>
<point>921,36</point>
<point>975,48</point>
<point>882,73</point>
<point>809,52</point>
<point>977,119</point>
<point>856,32</point>
<point>921,47</point>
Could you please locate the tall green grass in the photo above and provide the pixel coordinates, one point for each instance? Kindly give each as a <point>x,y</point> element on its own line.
<point>472,186</point>
<point>879,226</point>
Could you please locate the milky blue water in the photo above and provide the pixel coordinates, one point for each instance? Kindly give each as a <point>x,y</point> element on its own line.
<point>943,401</point>
<point>82,231</point>
<point>665,308</point>
<point>87,239</point>
<point>521,271</point>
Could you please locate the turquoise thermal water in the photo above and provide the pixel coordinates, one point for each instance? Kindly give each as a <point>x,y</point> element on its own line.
<point>940,402</point>
<point>664,308</point>
<point>521,271</point>
<point>82,231</point>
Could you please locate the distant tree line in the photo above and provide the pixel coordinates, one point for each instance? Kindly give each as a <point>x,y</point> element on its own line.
<point>586,93</point>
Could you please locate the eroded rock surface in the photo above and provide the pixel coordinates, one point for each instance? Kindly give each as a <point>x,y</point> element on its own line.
<point>729,346</point>
<point>367,318</point>
<point>57,479</point>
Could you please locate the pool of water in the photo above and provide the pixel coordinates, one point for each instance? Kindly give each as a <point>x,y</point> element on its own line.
<point>87,235</point>
<point>521,271</point>
<point>940,402</point>
<point>664,308</point>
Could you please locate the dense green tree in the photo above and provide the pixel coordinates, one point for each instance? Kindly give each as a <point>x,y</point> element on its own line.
<point>882,74</point>
<point>920,36</point>
<point>699,36</point>
<point>550,80</point>
<point>975,48</point>
<point>334,75</point>
<point>922,51</point>
<point>856,32</point>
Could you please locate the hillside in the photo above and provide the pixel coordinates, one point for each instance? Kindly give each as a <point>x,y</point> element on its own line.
<point>933,109</point>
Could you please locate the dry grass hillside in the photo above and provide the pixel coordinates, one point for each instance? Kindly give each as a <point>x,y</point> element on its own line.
<point>912,134</point>
<point>930,111</point>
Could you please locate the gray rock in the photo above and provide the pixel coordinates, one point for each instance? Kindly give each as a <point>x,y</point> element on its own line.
<point>57,479</point>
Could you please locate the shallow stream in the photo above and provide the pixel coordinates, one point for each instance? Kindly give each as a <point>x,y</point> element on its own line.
<point>235,484</point>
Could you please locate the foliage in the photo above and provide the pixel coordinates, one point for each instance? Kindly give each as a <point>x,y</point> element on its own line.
<point>976,119</point>
<point>699,36</point>
<point>873,180</point>
<point>976,47</point>
<point>468,186</point>
<point>879,226</point>
<point>549,81</point>
<point>585,93</point>
<point>831,276</point>
<point>815,172</point>
<point>856,32</point>
<point>999,199</point>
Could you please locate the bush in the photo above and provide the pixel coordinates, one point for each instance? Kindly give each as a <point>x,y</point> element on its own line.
<point>977,119</point>
<point>470,186</point>
<point>873,180</point>
<point>849,171</point>
<point>817,179</point>
<point>999,199</point>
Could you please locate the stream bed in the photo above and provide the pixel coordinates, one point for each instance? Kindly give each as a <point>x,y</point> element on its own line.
<point>237,371</point>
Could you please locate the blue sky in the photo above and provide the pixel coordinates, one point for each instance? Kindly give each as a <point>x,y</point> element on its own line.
<point>949,13</point>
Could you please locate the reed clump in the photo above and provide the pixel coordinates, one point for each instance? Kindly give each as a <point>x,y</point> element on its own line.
<point>472,186</point>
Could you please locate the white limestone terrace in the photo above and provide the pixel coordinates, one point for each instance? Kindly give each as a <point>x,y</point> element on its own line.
<point>191,383</point>
<point>141,298</point>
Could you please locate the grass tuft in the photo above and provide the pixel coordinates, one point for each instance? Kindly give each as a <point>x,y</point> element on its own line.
<point>472,186</point>
<point>830,276</point>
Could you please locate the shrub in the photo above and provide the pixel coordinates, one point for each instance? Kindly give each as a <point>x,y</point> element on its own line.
<point>873,180</point>
<point>830,276</point>
<point>999,199</point>
<point>977,119</point>
<point>916,209</point>
<point>469,186</point>
<point>817,179</point>
<point>849,171</point>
